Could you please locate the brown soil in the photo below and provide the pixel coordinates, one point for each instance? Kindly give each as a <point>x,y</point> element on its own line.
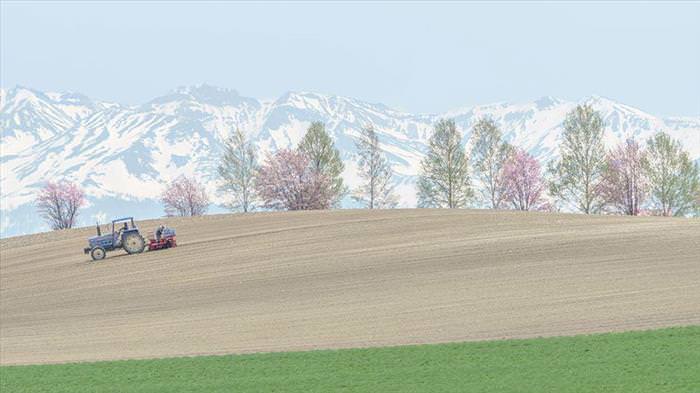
<point>308,280</point>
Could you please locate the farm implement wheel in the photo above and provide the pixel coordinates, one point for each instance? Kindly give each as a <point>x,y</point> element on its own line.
<point>97,253</point>
<point>134,243</point>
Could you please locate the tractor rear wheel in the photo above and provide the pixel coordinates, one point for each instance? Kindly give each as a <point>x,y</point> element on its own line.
<point>134,243</point>
<point>97,253</point>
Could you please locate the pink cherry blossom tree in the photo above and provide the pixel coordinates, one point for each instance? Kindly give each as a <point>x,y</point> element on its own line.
<point>185,196</point>
<point>287,180</point>
<point>58,203</point>
<point>523,182</point>
<point>624,184</point>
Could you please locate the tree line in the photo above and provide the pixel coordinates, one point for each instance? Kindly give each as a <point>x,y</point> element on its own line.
<point>631,179</point>
<point>308,177</point>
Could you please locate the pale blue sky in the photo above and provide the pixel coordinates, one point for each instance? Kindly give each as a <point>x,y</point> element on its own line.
<point>420,57</point>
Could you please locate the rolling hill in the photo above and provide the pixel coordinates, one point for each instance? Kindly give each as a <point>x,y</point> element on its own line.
<point>350,278</point>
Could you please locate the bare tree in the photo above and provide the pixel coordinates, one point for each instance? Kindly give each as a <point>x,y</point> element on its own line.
<point>237,171</point>
<point>489,154</point>
<point>58,203</point>
<point>377,191</point>
<point>185,196</point>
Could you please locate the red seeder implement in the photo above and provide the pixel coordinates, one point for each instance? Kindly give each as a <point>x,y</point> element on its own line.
<point>165,242</point>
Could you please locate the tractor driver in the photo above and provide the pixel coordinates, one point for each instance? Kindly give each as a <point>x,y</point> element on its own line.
<point>120,231</point>
<point>159,232</point>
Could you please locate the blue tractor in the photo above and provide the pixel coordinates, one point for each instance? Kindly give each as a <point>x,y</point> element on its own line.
<point>125,235</point>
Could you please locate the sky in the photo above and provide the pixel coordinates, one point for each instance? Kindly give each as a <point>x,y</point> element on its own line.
<point>415,56</point>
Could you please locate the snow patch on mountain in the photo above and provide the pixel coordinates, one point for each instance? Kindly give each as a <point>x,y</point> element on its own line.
<point>124,155</point>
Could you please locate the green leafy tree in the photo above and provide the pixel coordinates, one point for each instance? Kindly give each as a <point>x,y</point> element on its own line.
<point>318,146</point>
<point>576,176</point>
<point>377,190</point>
<point>444,179</point>
<point>674,180</point>
<point>489,154</point>
<point>237,172</point>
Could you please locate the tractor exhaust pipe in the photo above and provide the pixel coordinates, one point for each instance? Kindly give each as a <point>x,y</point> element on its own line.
<point>99,233</point>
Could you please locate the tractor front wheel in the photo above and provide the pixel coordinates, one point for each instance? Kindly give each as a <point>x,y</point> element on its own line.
<point>97,253</point>
<point>134,243</point>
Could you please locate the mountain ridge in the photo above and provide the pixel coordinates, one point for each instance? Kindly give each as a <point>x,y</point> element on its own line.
<point>123,154</point>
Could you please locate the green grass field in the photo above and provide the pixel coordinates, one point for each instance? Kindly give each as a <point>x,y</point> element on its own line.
<point>666,360</point>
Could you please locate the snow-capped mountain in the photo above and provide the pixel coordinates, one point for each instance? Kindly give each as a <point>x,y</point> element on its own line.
<point>123,155</point>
